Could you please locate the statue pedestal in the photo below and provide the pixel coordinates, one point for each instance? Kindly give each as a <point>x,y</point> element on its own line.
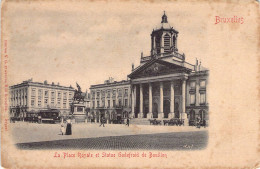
<point>78,112</point>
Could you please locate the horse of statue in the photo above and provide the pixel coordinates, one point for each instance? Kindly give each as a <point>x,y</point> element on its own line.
<point>78,94</point>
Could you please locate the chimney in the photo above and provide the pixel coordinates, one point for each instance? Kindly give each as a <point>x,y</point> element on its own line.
<point>142,55</point>
<point>52,83</point>
<point>45,82</point>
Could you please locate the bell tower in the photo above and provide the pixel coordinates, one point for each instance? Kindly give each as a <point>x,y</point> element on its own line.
<point>163,38</point>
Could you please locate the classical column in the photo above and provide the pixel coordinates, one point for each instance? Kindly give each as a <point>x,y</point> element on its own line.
<point>140,115</point>
<point>133,100</point>
<point>161,115</point>
<point>184,115</point>
<point>150,101</point>
<point>171,115</point>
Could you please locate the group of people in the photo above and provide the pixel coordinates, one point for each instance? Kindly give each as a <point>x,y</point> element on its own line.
<point>103,121</point>
<point>66,128</point>
<point>198,122</point>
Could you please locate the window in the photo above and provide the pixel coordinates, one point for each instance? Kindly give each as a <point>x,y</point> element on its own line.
<point>65,95</point>
<point>202,98</point>
<point>126,102</point>
<point>46,93</point>
<point>39,97</point>
<point>108,103</point>
<point>52,102</point>
<point>59,95</point>
<point>45,102</point>
<point>114,93</point>
<point>98,94</point>
<point>33,91</point>
<point>158,44</point>
<point>39,103</point>
<point>203,83</point>
<point>32,103</point>
<point>174,42</point>
<point>103,93</point>
<point>120,102</point>
<point>70,97</point>
<point>52,94</point>
<point>114,103</point>
<point>192,98</point>
<point>97,103</point>
<point>93,104</point>
<point>64,105</point>
<point>167,43</point>
<point>192,84</point>
<point>126,92</point>
<point>108,93</point>
<point>93,95</point>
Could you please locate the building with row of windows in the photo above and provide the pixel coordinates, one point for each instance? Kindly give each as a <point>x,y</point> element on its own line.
<point>30,96</point>
<point>163,86</point>
<point>111,99</point>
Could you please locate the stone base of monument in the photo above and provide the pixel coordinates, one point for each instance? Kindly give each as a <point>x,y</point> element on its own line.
<point>79,118</point>
<point>78,113</point>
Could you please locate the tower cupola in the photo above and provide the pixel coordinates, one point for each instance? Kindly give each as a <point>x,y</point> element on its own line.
<point>163,38</point>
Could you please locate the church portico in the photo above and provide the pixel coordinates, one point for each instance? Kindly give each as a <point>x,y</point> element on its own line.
<point>156,99</point>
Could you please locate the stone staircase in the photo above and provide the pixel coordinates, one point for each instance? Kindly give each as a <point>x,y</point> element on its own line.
<point>141,121</point>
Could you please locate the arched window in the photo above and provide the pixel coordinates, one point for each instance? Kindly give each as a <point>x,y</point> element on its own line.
<point>167,43</point>
<point>158,44</point>
<point>192,115</point>
<point>202,114</point>
<point>174,42</point>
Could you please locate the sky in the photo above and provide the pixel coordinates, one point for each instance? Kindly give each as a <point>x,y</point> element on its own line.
<point>88,42</point>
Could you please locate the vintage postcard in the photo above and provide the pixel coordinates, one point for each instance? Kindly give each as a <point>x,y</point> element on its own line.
<point>130,84</point>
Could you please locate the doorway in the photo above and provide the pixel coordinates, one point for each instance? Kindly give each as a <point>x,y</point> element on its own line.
<point>166,108</point>
<point>155,110</point>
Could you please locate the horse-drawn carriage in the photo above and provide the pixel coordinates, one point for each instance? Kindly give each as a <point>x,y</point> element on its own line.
<point>155,122</point>
<point>196,123</point>
<point>173,122</point>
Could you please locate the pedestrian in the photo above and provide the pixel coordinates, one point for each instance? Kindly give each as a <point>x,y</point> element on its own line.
<point>127,121</point>
<point>68,128</point>
<point>62,128</point>
<point>102,121</point>
<point>198,122</point>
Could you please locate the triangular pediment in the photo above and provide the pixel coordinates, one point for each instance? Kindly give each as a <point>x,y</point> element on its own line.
<point>156,67</point>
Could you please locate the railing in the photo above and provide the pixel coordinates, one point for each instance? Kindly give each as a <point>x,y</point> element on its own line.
<point>146,58</point>
<point>173,53</point>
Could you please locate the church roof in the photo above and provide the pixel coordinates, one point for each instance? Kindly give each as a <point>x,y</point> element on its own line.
<point>171,64</point>
<point>164,24</point>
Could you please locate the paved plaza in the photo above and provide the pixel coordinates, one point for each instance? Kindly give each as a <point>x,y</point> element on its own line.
<point>112,136</point>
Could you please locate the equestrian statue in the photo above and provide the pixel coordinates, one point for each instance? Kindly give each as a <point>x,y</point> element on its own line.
<point>78,94</point>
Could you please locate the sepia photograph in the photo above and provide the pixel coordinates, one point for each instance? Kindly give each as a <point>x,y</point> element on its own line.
<point>127,84</point>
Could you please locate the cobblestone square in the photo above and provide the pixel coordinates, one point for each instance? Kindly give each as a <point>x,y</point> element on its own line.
<point>112,137</point>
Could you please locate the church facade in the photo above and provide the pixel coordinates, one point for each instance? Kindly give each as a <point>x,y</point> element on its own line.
<point>164,85</point>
